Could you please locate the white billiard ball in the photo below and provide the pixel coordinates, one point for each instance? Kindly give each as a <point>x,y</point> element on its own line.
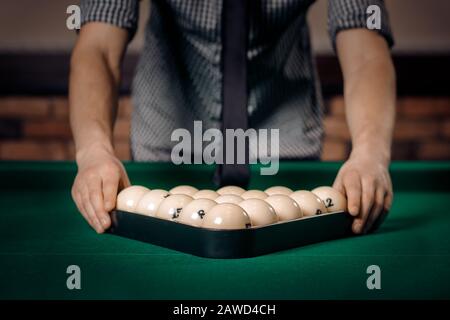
<point>309,203</point>
<point>333,199</point>
<point>260,212</point>
<point>285,207</point>
<point>171,207</point>
<point>205,194</point>
<point>149,203</point>
<point>128,198</point>
<point>278,190</point>
<point>254,194</point>
<point>229,198</point>
<point>187,190</point>
<point>193,213</point>
<point>231,190</point>
<point>227,216</point>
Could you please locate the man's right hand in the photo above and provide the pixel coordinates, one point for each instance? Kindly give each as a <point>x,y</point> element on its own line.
<point>100,176</point>
<point>93,93</point>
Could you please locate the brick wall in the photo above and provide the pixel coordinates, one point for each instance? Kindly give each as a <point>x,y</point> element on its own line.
<point>37,128</point>
<point>422,130</point>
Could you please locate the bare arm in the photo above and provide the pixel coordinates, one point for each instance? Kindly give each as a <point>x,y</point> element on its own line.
<point>369,93</point>
<point>93,90</point>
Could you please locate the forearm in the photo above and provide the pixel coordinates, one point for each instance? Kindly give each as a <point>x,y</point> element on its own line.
<point>369,91</point>
<point>370,107</point>
<point>93,99</point>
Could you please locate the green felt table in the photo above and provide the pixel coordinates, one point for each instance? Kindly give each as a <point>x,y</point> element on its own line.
<point>41,234</point>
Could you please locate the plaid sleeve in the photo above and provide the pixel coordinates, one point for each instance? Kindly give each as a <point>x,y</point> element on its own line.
<point>120,13</point>
<point>351,14</point>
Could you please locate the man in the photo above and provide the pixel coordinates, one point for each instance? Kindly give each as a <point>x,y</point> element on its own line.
<point>179,79</point>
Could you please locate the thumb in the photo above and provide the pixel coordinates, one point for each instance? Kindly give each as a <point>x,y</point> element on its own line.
<point>124,181</point>
<point>338,185</point>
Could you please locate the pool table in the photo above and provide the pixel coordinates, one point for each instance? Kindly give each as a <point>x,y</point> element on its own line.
<point>41,234</point>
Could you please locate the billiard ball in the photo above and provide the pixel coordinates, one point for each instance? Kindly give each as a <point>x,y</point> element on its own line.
<point>227,216</point>
<point>128,198</point>
<point>231,190</point>
<point>149,203</point>
<point>254,194</point>
<point>193,213</point>
<point>309,203</point>
<point>285,207</point>
<point>229,198</point>
<point>278,190</point>
<point>187,190</point>
<point>171,207</point>
<point>206,194</point>
<point>260,212</point>
<point>333,199</point>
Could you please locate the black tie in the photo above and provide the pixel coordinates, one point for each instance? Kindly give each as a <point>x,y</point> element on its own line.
<point>234,88</point>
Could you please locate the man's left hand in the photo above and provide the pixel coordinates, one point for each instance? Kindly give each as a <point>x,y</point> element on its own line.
<point>365,181</point>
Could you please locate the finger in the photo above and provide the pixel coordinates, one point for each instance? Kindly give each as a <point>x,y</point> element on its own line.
<point>90,210</point>
<point>376,210</point>
<point>389,198</point>
<point>387,206</point>
<point>352,186</point>
<point>110,186</point>
<point>82,209</point>
<point>77,199</point>
<point>91,213</point>
<point>96,201</point>
<point>367,200</point>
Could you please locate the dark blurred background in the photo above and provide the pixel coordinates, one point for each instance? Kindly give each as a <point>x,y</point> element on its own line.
<point>35,48</point>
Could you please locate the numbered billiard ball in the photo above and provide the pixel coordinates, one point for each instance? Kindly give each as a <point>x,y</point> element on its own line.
<point>309,203</point>
<point>278,190</point>
<point>254,194</point>
<point>229,198</point>
<point>333,199</point>
<point>128,198</point>
<point>171,207</point>
<point>149,203</point>
<point>194,212</point>
<point>187,190</point>
<point>226,216</point>
<point>206,194</point>
<point>231,190</point>
<point>285,207</point>
<point>260,212</point>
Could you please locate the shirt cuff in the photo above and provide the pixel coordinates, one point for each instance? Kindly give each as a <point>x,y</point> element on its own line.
<point>121,13</point>
<point>352,14</point>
